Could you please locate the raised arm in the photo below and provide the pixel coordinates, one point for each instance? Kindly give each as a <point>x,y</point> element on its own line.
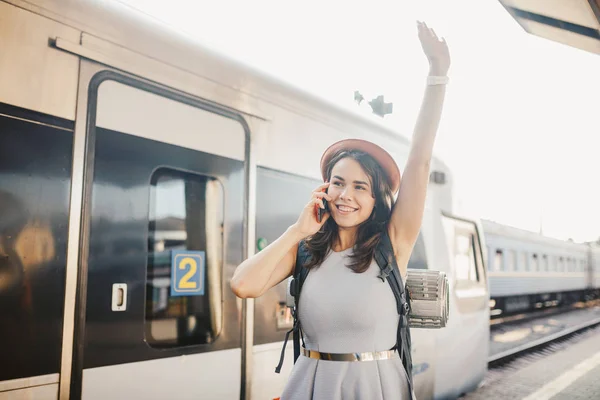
<point>408,210</point>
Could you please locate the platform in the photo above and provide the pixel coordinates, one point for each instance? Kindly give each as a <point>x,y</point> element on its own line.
<point>569,373</point>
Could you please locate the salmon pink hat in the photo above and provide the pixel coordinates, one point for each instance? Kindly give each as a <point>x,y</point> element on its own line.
<point>383,158</point>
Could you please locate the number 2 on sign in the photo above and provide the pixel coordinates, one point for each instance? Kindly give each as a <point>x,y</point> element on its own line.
<point>185,283</point>
<point>187,272</point>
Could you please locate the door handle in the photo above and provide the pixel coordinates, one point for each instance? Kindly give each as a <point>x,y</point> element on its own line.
<point>119,296</point>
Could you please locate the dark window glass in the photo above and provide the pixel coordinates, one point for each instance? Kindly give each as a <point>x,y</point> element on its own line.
<point>35,173</point>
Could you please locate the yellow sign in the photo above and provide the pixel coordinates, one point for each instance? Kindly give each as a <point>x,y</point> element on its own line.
<point>187,272</point>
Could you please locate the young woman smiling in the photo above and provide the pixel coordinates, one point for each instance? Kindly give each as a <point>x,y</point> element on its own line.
<point>345,308</point>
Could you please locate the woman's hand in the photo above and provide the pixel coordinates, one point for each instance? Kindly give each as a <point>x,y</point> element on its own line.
<point>435,49</point>
<point>307,223</point>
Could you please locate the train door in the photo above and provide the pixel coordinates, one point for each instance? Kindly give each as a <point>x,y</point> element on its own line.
<point>467,333</point>
<point>162,232</point>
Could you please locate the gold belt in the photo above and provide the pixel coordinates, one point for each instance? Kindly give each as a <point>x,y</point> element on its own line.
<point>367,356</point>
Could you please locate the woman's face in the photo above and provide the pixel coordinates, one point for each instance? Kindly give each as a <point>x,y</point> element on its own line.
<point>352,195</point>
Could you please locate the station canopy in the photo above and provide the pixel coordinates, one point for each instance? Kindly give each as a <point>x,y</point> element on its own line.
<point>575,23</point>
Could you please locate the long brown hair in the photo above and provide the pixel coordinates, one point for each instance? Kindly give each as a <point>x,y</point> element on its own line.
<point>369,232</point>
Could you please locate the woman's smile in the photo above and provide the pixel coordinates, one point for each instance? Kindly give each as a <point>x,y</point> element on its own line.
<point>344,209</point>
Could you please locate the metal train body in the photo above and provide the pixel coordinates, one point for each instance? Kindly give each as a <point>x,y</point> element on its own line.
<point>137,170</point>
<point>528,270</point>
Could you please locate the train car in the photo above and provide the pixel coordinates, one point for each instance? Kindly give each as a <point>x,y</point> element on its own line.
<point>138,169</point>
<point>573,24</point>
<point>528,270</point>
<point>593,274</point>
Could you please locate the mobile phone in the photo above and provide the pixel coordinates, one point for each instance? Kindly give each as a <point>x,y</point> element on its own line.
<point>322,211</point>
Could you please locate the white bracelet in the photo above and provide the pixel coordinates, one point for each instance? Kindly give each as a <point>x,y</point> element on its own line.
<point>437,80</point>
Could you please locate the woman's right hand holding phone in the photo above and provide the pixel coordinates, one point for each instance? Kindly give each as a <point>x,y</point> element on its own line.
<point>308,223</point>
<point>267,268</point>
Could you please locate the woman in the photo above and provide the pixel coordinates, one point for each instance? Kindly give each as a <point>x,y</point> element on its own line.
<point>344,307</point>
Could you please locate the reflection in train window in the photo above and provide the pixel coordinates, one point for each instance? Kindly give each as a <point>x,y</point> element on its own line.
<point>183,286</point>
<point>35,180</point>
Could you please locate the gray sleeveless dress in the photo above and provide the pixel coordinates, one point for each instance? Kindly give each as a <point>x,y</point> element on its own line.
<point>344,312</point>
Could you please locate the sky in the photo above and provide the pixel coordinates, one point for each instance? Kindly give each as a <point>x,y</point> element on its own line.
<point>518,127</point>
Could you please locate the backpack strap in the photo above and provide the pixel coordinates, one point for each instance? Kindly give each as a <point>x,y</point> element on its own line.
<point>384,256</point>
<point>299,276</point>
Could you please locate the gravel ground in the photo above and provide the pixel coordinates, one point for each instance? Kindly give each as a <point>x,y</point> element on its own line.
<point>528,373</point>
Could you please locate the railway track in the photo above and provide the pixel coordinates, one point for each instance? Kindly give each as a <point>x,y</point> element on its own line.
<point>513,319</point>
<point>503,357</point>
<point>547,312</point>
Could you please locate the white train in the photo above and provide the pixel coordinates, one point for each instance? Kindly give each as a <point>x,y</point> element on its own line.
<point>529,271</point>
<point>137,170</point>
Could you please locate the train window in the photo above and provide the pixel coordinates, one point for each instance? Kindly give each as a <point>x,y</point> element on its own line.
<point>551,263</point>
<point>523,261</point>
<point>183,295</point>
<point>534,262</point>
<point>511,260</point>
<point>561,264</point>
<point>35,180</point>
<point>544,266</point>
<point>468,268</point>
<point>498,260</point>
<point>464,258</point>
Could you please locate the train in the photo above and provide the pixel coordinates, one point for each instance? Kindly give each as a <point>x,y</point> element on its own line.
<point>138,168</point>
<point>529,271</point>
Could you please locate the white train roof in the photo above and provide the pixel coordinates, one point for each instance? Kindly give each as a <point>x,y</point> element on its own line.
<point>494,228</point>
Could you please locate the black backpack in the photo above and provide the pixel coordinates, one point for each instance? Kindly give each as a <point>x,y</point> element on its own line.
<point>384,256</point>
